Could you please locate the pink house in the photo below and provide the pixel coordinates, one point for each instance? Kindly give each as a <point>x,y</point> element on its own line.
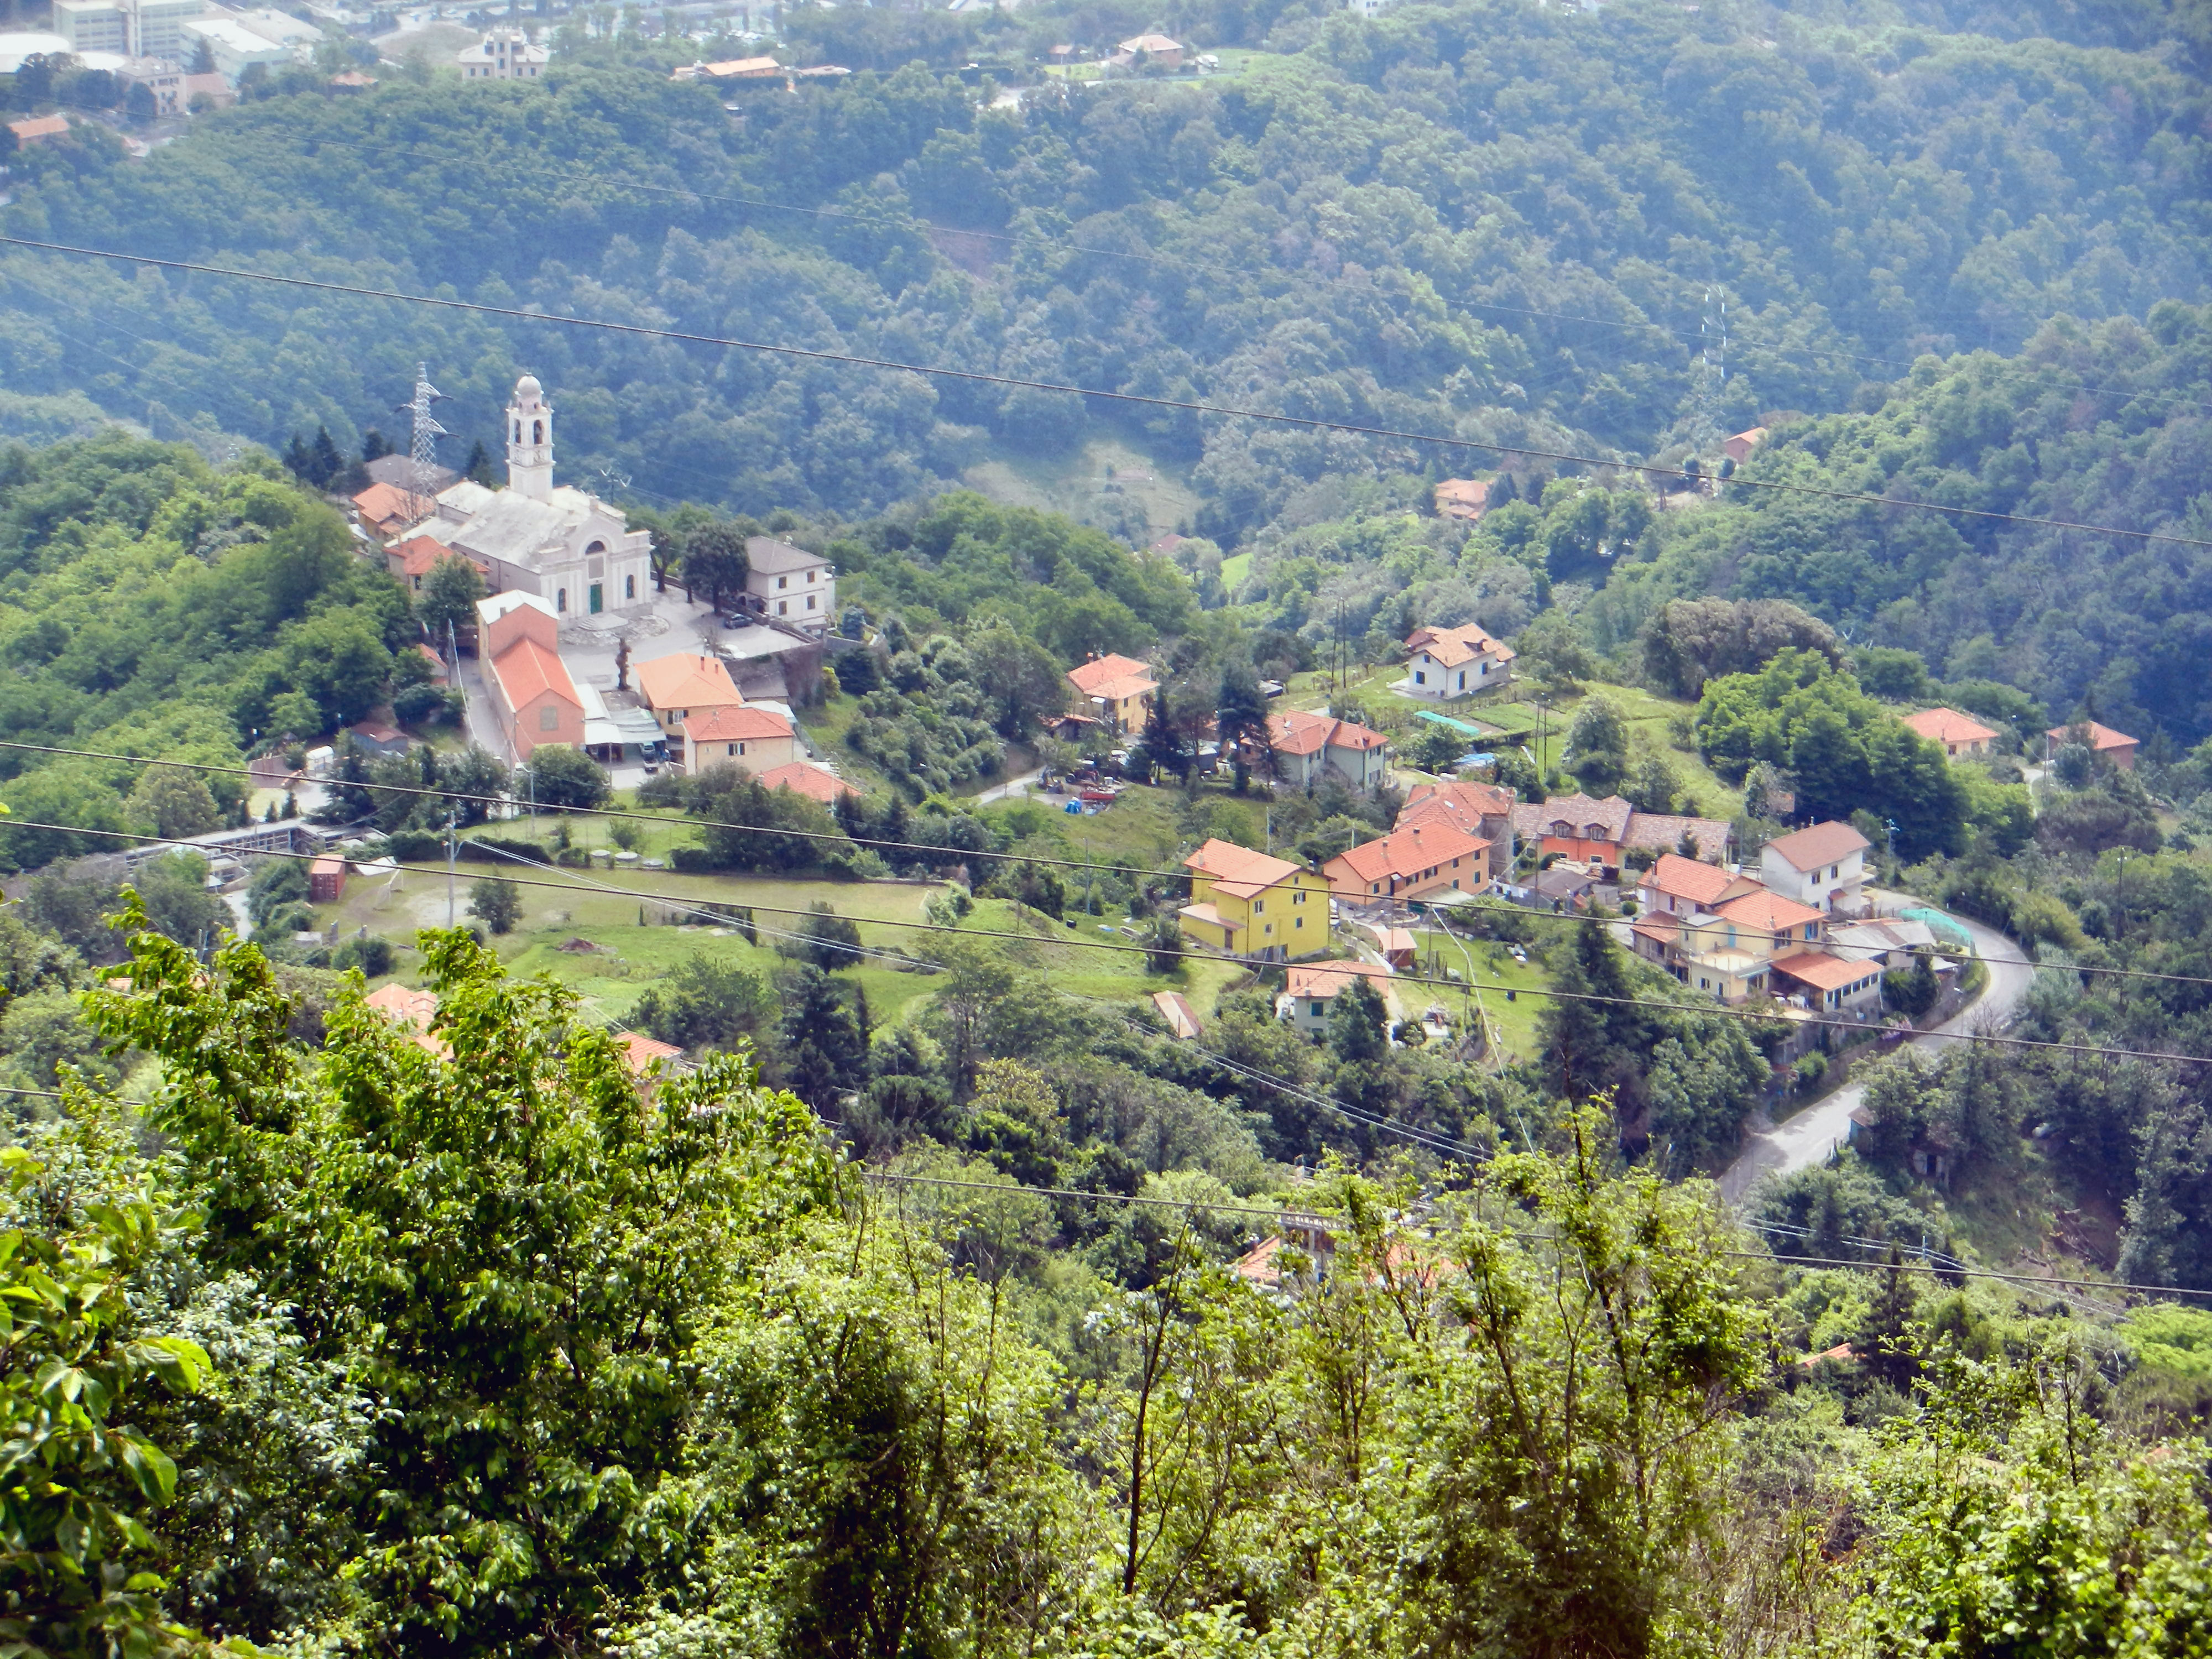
<point>537,702</point>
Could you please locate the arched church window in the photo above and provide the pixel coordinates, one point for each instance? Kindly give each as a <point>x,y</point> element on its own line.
<point>595,549</point>
<point>537,432</point>
<point>517,432</point>
<point>561,600</point>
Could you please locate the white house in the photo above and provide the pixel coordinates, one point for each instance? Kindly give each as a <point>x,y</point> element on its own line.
<point>501,55</point>
<point>1824,867</point>
<point>790,585</point>
<point>1309,747</point>
<point>1453,662</point>
<point>566,545</point>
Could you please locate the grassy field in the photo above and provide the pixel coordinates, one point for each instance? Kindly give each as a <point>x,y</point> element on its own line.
<point>1495,973</point>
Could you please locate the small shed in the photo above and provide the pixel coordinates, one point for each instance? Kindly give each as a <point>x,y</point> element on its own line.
<point>327,881</point>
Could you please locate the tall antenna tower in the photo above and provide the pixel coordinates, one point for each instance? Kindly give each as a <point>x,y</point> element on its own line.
<point>422,449</point>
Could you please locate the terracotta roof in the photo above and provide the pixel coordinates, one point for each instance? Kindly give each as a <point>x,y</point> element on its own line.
<point>641,1051</point>
<point>1662,832</point>
<point>1092,678</point>
<point>1151,43</point>
<point>417,554</point>
<point>1123,687</point>
<point>1404,853</point>
<point>1175,1009</point>
<point>1948,725</point>
<point>527,669</point>
<point>804,778</point>
<point>735,723</point>
<point>685,680</point>
<point>1664,926</point>
<point>352,78</point>
<point>1693,879</point>
<point>39,126</point>
<point>1320,981</point>
<point>381,504</point>
<point>1824,972</point>
<point>1460,492</point>
<point>1453,646</point>
<point>1455,802</point>
<point>411,1008</point>
<point>1299,733</point>
<point>1586,819</point>
<point>2101,738</point>
<point>1824,843</point>
<point>1768,910</point>
<point>1257,1265</point>
<point>1238,871</point>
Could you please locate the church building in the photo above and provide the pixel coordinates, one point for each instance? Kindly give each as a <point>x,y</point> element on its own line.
<point>564,544</point>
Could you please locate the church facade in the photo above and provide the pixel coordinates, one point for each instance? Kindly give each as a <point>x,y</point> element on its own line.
<point>567,546</point>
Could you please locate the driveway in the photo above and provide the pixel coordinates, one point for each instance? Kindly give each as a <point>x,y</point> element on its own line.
<point>1011,789</point>
<point>1811,1135</point>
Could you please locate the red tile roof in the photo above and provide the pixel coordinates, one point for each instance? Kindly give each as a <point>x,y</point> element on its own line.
<point>1295,732</point>
<point>381,505</point>
<point>411,1008</point>
<point>1824,843</point>
<point>1824,972</point>
<point>527,669</point>
<point>1238,871</point>
<point>1575,817</point>
<point>1948,725</point>
<point>38,127</point>
<point>642,1051</point>
<point>1457,802</point>
<point>1769,911</point>
<point>1693,879</point>
<point>1404,854</point>
<point>1112,677</point>
<point>685,680</point>
<point>735,724</point>
<point>804,778</point>
<point>2101,738</point>
<point>1317,981</point>
<point>1454,646</point>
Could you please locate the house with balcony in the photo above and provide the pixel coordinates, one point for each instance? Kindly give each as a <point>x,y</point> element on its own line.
<point>1244,904</point>
<point>1116,690</point>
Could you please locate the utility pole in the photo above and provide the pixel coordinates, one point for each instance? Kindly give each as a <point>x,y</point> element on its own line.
<point>424,432</point>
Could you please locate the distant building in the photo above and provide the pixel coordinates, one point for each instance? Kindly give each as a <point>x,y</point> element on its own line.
<point>1481,809</point>
<point>816,783</point>
<point>502,55</point>
<point>386,511</point>
<point>234,47</point>
<point>562,543</point>
<point>1956,733</point>
<point>398,471</point>
<point>211,92</point>
<point>133,28</point>
<point>1308,748</point>
<point>161,76</point>
<point>38,129</point>
<point>745,735</point>
<point>1592,832</point>
<point>1829,984</point>
<point>326,879</point>
<point>532,695</point>
<point>1738,448</point>
<point>1116,687</point>
<point>1420,862</point>
<point>1152,49</point>
<point>412,560</point>
<point>1824,867</point>
<point>733,69</point>
<point>1313,989</point>
<point>2106,744</point>
<point>1454,662</point>
<point>682,687</point>
<point>791,586</point>
<point>1252,904</point>
<point>1464,499</point>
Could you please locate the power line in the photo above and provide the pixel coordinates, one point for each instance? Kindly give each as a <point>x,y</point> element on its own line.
<point>1277,1214</point>
<point>1717,1010</point>
<point>1137,399</point>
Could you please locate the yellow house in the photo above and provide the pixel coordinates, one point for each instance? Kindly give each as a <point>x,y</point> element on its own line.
<point>1116,687</point>
<point>1248,904</point>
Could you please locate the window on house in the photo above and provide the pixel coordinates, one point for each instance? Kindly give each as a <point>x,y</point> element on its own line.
<point>783,581</point>
<point>809,602</point>
<point>741,749</point>
<point>630,587</point>
<point>561,600</point>
<point>809,575</point>
<point>1419,678</point>
<point>783,607</point>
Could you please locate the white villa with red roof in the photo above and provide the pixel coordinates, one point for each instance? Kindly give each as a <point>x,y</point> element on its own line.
<point>1824,867</point>
<point>1453,662</point>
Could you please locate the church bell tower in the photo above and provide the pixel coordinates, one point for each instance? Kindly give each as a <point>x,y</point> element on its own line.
<point>530,440</point>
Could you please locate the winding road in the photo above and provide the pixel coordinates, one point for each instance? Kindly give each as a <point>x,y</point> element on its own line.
<point>1807,1137</point>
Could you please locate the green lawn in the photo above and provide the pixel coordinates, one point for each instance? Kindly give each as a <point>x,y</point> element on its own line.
<point>1495,973</point>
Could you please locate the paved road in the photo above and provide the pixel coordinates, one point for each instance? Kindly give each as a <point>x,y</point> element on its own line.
<point>1011,789</point>
<point>1808,1137</point>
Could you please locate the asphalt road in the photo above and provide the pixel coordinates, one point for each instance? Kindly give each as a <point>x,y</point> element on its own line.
<point>1807,1137</point>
